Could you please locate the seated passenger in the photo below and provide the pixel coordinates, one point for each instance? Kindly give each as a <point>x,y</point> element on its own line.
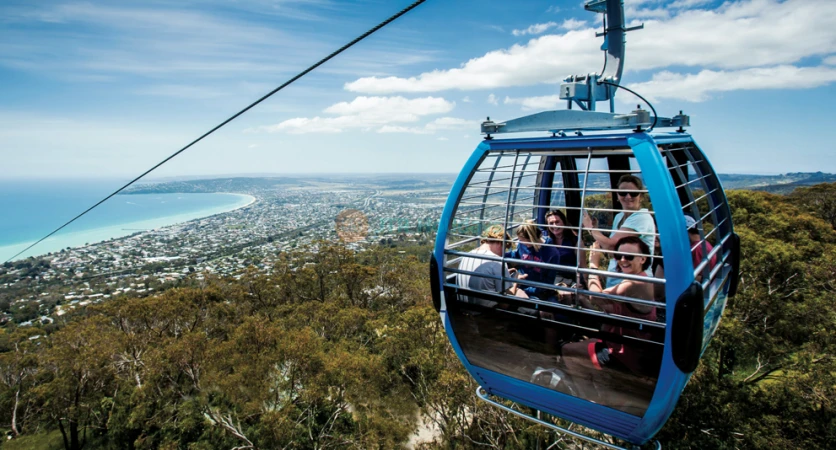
<point>561,237</point>
<point>632,221</point>
<point>584,360</point>
<point>697,254</point>
<point>491,245</point>
<point>530,248</point>
<point>628,262</point>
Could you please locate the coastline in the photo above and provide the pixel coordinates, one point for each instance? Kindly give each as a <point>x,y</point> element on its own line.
<point>83,238</point>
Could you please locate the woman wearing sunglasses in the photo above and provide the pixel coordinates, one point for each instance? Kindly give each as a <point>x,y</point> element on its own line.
<point>586,360</point>
<point>632,221</point>
<point>629,260</point>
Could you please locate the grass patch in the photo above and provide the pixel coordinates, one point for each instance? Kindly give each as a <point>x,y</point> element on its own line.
<point>39,441</point>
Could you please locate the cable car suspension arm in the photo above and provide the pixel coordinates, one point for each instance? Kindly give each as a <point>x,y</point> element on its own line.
<point>588,89</point>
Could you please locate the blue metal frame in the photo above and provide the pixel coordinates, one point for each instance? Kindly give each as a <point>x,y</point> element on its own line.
<point>713,313</point>
<point>679,276</point>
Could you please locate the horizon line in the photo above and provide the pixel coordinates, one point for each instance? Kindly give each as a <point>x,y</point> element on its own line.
<point>305,174</point>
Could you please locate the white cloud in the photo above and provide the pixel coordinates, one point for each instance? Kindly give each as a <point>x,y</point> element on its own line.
<point>735,36</point>
<point>451,123</point>
<point>443,139</point>
<point>466,99</point>
<point>381,114</point>
<point>532,103</point>
<point>573,24</point>
<point>401,129</point>
<point>699,87</point>
<point>440,124</point>
<point>492,100</point>
<point>391,109</point>
<point>687,4</point>
<point>538,28</point>
<point>637,10</point>
<point>141,40</point>
<point>553,9</point>
<point>535,62</point>
<point>301,125</point>
<point>637,3</point>
<point>639,14</point>
<point>830,60</point>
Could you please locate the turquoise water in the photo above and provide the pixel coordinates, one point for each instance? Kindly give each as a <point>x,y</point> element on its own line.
<point>31,209</point>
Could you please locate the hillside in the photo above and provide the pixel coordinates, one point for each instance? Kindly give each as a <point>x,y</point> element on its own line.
<point>777,184</point>
<point>240,185</point>
<point>249,184</point>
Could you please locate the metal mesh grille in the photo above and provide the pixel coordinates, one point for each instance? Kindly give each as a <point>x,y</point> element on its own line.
<point>511,187</point>
<point>710,236</point>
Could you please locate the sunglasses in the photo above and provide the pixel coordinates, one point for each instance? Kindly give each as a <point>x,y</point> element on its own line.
<point>619,256</point>
<point>629,194</point>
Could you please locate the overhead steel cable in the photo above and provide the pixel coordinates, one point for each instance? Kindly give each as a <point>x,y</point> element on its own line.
<point>265,97</point>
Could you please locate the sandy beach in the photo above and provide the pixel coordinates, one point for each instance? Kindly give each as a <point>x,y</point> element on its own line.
<point>69,238</point>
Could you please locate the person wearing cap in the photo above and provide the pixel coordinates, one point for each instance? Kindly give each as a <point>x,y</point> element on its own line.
<point>483,273</point>
<point>697,251</point>
<point>697,256</point>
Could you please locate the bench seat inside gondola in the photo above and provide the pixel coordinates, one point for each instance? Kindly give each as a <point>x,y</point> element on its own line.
<point>515,339</point>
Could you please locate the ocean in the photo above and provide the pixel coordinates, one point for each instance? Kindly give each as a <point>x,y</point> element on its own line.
<point>31,209</point>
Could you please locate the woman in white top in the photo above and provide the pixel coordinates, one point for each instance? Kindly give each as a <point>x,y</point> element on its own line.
<point>633,220</point>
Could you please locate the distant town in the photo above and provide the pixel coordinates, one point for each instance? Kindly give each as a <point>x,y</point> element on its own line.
<point>287,214</point>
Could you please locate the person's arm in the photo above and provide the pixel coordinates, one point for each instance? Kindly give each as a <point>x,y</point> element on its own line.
<point>580,255</point>
<point>659,289</point>
<point>527,290</point>
<point>594,282</point>
<point>515,290</point>
<point>606,242</point>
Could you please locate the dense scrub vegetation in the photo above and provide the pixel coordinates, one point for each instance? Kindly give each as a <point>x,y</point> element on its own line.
<point>768,380</point>
<point>341,350</point>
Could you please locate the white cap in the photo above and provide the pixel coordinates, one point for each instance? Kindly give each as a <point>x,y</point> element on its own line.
<point>690,222</point>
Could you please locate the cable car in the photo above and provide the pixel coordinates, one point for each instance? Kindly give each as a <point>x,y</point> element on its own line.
<point>584,272</point>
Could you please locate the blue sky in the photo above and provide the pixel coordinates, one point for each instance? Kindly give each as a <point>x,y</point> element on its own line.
<point>107,89</point>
